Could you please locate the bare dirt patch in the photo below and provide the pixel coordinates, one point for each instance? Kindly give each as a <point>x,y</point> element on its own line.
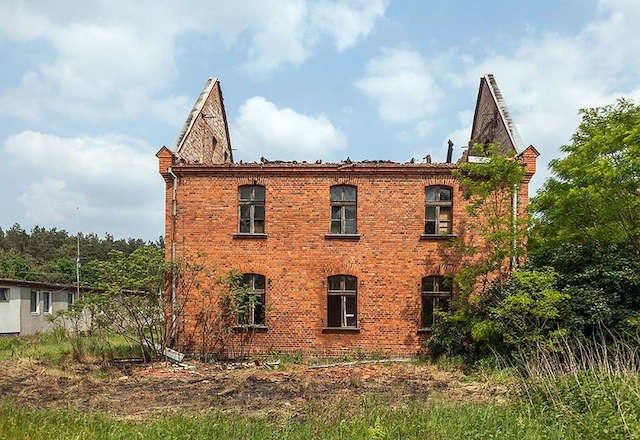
<point>160,388</point>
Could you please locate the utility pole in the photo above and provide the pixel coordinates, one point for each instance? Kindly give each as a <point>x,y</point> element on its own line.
<point>78,264</point>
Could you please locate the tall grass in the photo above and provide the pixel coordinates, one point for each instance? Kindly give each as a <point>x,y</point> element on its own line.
<point>592,386</point>
<point>58,348</point>
<point>367,419</point>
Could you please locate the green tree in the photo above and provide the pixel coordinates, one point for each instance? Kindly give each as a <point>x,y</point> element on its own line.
<point>594,193</point>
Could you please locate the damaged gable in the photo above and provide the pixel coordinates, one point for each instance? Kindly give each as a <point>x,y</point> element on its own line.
<point>204,137</point>
<point>492,121</point>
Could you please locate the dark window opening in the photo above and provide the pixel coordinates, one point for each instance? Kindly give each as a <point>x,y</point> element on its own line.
<point>343,209</point>
<point>438,211</point>
<point>34,301</point>
<point>4,294</point>
<point>436,293</point>
<point>251,305</point>
<point>251,209</point>
<point>342,301</point>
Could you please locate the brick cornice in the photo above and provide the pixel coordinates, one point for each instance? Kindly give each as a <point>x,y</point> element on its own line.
<point>386,169</point>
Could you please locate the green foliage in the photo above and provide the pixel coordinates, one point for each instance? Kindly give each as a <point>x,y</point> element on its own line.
<point>603,285</point>
<point>370,419</point>
<point>593,196</point>
<point>50,254</point>
<point>524,313</point>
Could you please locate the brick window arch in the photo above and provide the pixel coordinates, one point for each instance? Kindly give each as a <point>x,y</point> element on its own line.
<point>343,209</point>
<point>251,304</point>
<point>342,301</point>
<point>251,209</point>
<point>438,210</point>
<point>436,293</point>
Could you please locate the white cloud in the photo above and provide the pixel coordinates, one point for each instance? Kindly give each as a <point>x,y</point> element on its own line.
<point>347,21</point>
<point>113,181</point>
<point>114,60</point>
<point>402,84</point>
<point>263,129</point>
<point>549,77</point>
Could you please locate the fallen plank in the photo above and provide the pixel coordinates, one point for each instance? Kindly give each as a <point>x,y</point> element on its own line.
<point>354,363</point>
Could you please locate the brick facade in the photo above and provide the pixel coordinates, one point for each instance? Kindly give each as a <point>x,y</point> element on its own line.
<point>389,256</point>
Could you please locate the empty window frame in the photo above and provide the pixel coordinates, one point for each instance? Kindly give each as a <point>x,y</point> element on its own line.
<point>251,209</point>
<point>46,302</point>
<point>342,300</point>
<point>343,209</point>
<point>436,293</point>
<point>438,210</point>
<point>4,294</point>
<point>35,302</point>
<point>70,300</point>
<point>251,304</point>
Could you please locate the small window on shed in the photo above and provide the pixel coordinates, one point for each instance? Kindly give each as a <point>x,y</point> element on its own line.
<point>46,302</point>
<point>35,302</point>
<point>4,294</point>
<point>70,300</point>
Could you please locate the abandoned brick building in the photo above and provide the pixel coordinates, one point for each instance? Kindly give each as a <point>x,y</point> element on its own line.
<point>342,256</point>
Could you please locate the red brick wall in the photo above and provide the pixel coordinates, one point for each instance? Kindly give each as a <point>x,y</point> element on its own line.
<point>389,259</point>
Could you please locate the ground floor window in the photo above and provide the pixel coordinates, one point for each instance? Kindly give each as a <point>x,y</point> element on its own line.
<point>4,294</point>
<point>342,301</point>
<point>436,293</point>
<point>70,300</point>
<point>251,307</point>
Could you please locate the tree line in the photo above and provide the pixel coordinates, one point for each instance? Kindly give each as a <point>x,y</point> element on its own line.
<point>581,279</point>
<point>49,255</point>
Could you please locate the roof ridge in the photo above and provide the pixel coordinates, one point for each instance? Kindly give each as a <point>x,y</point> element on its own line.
<point>512,129</point>
<point>193,114</point>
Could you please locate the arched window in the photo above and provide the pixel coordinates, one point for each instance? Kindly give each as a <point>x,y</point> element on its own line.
<point>436,292</point>
<point>438,210</point>
<point>343,209</point>
<point>251,304</point>
<point>342,300</point>
<point>251,209</point>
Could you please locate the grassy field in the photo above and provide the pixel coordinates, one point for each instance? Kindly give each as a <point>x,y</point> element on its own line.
<point>588,397</point>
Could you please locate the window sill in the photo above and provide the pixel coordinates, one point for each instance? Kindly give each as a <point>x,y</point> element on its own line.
<point>340,329</point>
<point>246,236</point>
<point>248,328</point>
<point>424,330</point>
<point>35,313</point>
<point>342,236</point>
<point>437,236</point>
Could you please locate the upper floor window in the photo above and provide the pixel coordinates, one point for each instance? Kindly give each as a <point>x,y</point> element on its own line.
<point>343,209</point>
<point>436,292</point>
<point>251,305</point>
<point>251,209</point>
<point>342,301</point>
<point>438,210</point>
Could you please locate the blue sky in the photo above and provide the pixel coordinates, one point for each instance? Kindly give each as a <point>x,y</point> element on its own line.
<point>89,90</point>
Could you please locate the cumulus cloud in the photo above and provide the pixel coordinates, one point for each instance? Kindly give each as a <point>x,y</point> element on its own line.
<point>401,83</point>
<point>114,60</point>
<point>109,182</point>
<point>549,77</point>
<point>263,129</point>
